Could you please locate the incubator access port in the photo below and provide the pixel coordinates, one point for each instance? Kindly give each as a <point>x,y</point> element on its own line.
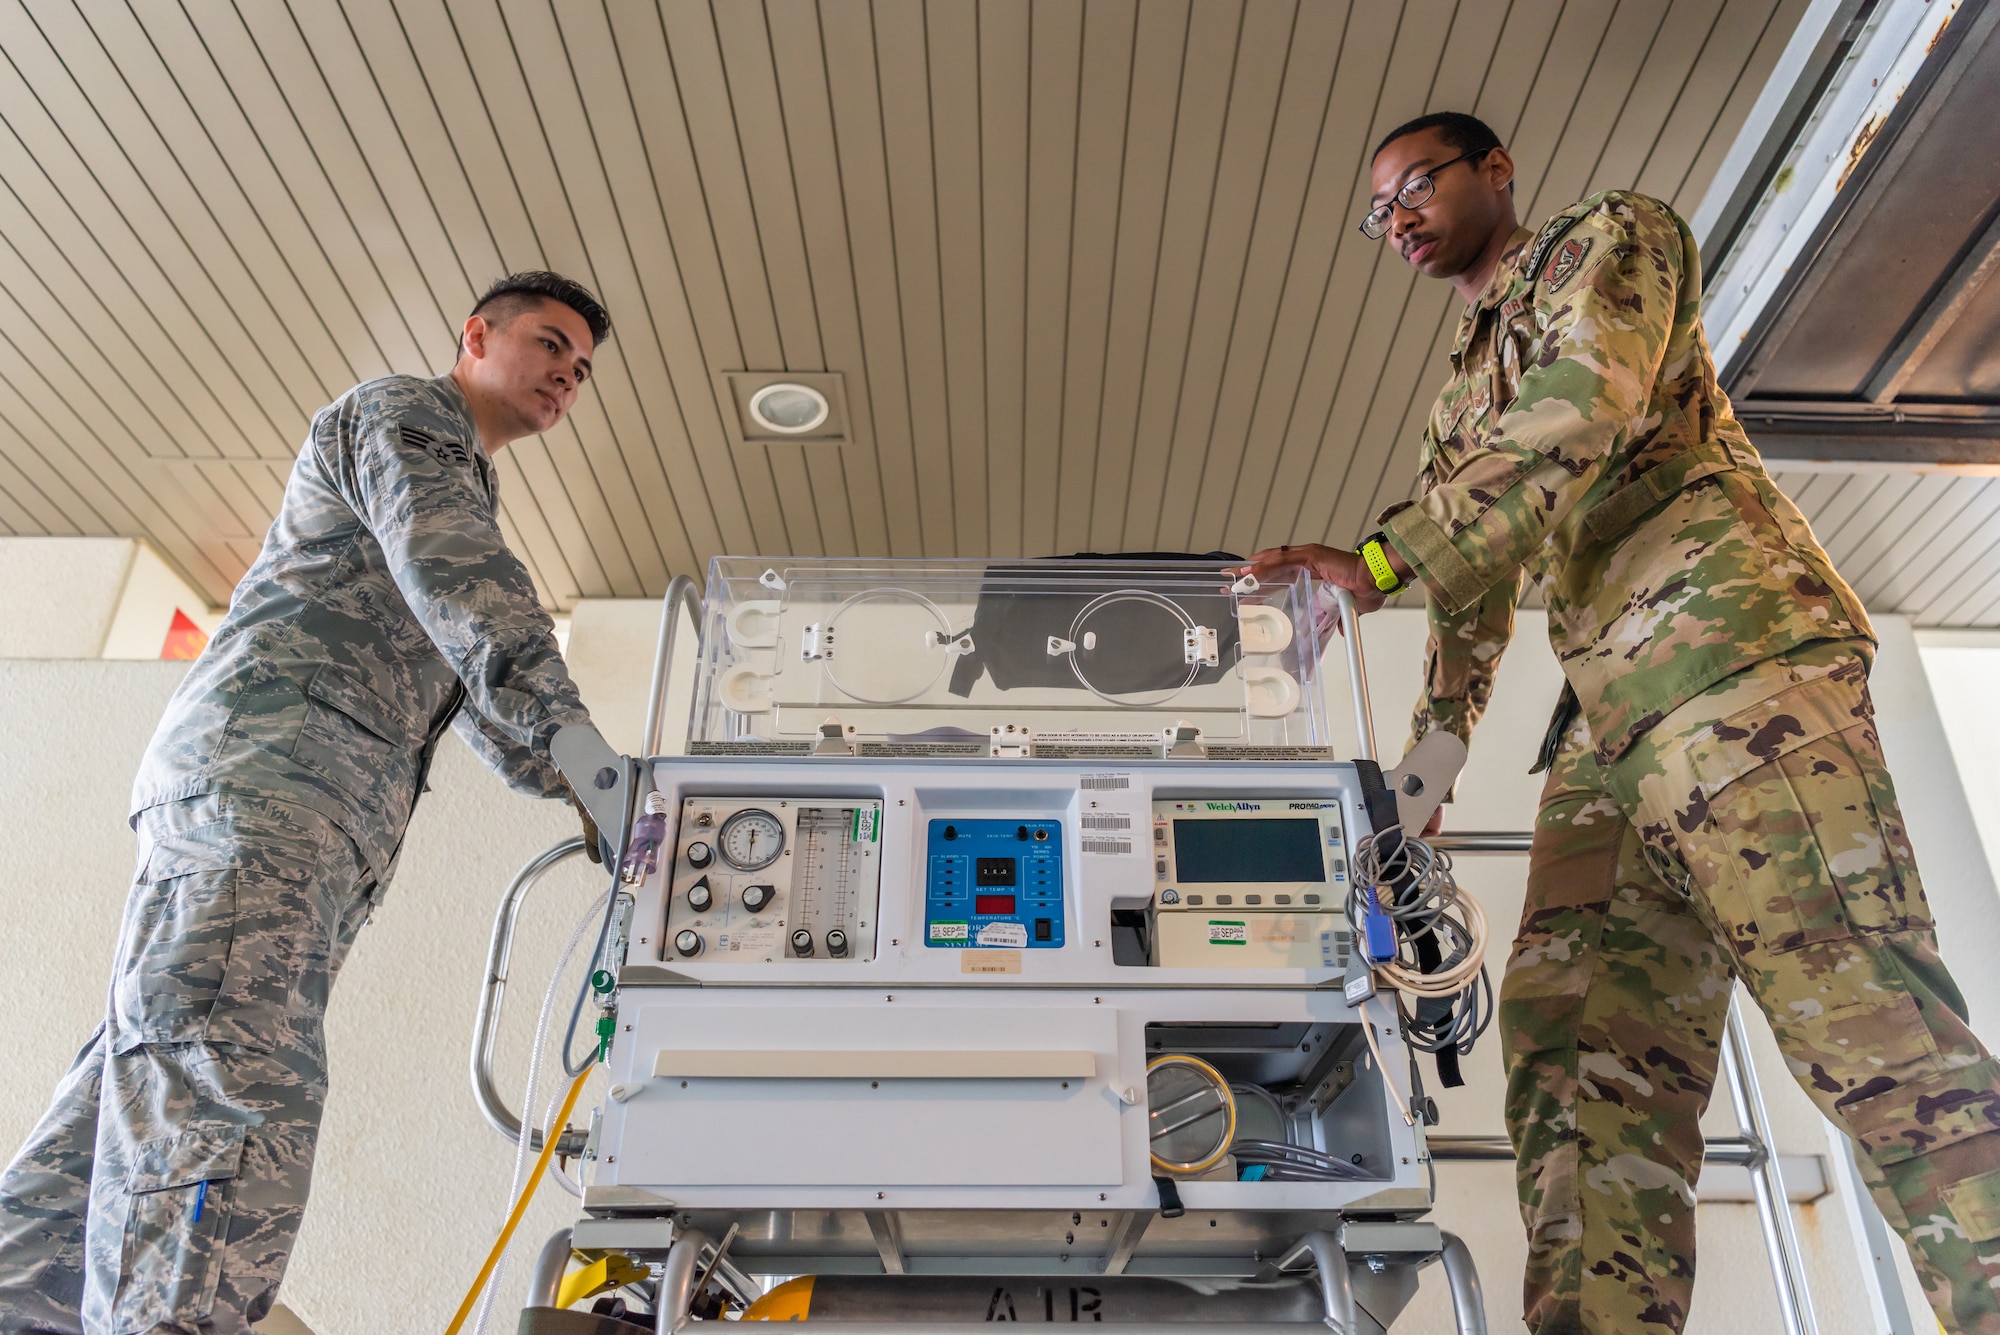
<point>1297,1101</point>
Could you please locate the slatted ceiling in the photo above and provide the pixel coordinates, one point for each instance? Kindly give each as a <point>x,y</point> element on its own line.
<point>1944,547</point>
<point>1283,210</point>
<point>1128,88</point>
<point>1209,123</point>
<point>1087,268</point>
<point>1666,91</point>
<point>1929,506</point>
<point>1356,473</point>
<point>1927,545</point>
<point>1967,600</point>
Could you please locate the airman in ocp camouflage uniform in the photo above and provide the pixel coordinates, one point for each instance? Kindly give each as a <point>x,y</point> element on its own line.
<point>163,1189</point>
<point>1717,806</point>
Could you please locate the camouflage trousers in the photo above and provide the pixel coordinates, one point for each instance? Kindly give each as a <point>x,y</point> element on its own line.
<point>1753,833</point>
<point>163,1189</point>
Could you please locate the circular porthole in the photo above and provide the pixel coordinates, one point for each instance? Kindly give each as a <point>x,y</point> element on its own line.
<point>789,409</point>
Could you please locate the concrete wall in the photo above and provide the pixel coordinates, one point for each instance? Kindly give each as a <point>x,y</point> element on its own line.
<point>90,598</point>
<point>58,595</point>
<point>411,1183</point>
<point>1964,669</point>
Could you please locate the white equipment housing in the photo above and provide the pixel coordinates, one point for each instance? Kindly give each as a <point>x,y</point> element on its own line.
<point>958,849</point>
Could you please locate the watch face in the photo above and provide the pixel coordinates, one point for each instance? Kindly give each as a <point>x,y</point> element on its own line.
<point>751,840</point>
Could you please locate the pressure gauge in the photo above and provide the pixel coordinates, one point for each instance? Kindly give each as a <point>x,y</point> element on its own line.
<point>751,840</point>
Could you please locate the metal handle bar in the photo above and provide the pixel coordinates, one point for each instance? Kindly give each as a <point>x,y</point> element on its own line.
<point>1481,841</point>
<point>681,592</point>
<point>1357,673</point>
<point>486,1025</point>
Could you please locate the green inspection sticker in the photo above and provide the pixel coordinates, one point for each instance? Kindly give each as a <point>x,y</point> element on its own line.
<point>951,931</point>
<point>866,825</point>
<point>1228,933</point>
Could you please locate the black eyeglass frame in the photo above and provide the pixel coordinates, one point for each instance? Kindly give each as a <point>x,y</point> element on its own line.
<point>1428,180</point>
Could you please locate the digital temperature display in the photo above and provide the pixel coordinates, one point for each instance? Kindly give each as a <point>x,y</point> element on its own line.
<point>1001,904</point>
<point>993,871</point>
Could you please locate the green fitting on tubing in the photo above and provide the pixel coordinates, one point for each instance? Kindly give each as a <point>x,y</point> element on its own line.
<point>607,1025</point>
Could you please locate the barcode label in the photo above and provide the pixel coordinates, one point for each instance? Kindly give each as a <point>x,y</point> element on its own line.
<point>1105,820</point>
<point>1107,846</point>
<point>1103,782</point>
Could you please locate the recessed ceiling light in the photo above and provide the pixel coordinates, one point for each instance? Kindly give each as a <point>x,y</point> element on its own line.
<point>789,409</point>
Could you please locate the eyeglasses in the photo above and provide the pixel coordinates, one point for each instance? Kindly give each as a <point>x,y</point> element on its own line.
<point>1415,192</point>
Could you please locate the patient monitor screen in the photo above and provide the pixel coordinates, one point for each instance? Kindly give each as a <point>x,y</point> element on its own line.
<point>1247,850</point>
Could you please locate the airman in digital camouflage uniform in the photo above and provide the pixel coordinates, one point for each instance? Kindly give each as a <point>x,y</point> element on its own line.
<point>163,1189</point>
<point>1717,804</point>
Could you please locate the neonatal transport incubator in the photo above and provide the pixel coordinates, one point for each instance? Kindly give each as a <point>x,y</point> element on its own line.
<point>991,954</point>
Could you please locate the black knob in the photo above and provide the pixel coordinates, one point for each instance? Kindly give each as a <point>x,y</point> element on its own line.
<point>688,942</point>
<point>700,855</point>
<point>700,898</point>
<point>836,943</point>
<point>802,942</point>
<point>757,898</point>
<point>951,832</point>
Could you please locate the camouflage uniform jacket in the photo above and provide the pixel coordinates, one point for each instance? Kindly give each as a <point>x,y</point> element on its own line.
<point>384,598</point>
<point>1583,433</point>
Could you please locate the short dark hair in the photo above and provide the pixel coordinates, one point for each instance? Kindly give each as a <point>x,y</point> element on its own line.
<point>516,292</point>
<point>1459,130</point>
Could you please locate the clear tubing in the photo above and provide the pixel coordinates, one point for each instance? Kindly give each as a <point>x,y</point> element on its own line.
<point>569,1184</point>
<point>528,1100</point>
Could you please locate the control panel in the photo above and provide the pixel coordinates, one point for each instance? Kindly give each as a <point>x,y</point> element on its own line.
<point>1249,884</point>
<point>1230,853</point>
<point>775,879</point>
<point>994,883</point>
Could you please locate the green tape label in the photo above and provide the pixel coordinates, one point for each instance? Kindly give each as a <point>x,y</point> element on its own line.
<point>1228,933</point>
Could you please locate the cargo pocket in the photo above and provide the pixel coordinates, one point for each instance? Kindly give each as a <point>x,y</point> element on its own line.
<point>180,1189</point>
<point>179,925</point>
<point>1782,796</point>
<point>1975,1204</point>
<point>361,745</point>
<point>211,946</point>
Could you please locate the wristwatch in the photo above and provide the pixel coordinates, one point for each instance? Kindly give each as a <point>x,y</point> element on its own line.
<point>1375,553</point>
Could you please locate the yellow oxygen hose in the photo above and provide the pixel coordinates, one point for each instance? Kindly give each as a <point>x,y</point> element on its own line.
<point>521,1203</point>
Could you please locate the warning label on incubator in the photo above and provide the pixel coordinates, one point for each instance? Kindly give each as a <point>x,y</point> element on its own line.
<point>1004,934</point>
<point>1228,933</point>
<point>990,961</point>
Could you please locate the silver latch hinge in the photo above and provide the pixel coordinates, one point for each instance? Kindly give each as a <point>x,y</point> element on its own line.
<point>1198,645</point>
<point>835,739</point>
<point>1012,741</point>
<point>1183,742</point>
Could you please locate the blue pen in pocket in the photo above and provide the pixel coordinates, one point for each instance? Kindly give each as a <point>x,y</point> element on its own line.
<point>200,1198</point>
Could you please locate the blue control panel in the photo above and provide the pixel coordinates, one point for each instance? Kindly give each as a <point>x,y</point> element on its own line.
<point>994,884</point>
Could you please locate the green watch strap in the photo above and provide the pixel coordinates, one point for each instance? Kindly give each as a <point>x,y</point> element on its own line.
<point>1375,553</point>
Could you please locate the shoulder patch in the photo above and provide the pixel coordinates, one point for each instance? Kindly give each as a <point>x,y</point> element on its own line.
<point>445,451</point>
<point>1568,258</point>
